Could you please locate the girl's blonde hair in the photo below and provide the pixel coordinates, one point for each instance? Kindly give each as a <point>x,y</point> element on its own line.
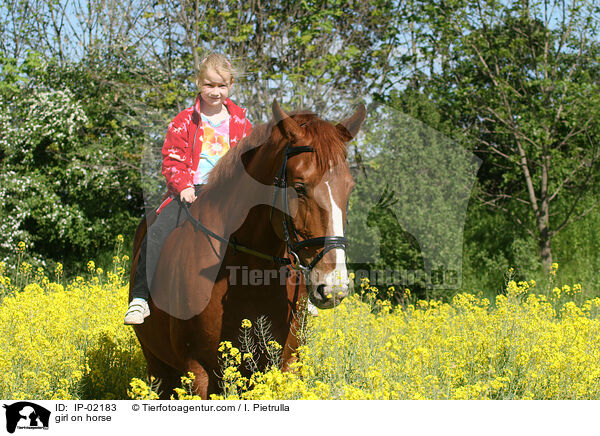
<point>220,64</point>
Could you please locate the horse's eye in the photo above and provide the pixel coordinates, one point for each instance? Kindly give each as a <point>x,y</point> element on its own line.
<point>300,189</point>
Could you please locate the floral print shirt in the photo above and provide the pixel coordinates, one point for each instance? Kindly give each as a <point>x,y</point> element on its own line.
<point>215,144</point>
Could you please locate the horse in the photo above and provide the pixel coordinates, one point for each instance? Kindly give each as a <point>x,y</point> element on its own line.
<point>264,235</point>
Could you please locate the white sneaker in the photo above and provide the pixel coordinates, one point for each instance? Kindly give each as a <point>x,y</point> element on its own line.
<point>312,309</point>
<point>137,311</point>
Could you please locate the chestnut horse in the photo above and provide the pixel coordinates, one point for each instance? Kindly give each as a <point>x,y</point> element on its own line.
<point>276,202</point>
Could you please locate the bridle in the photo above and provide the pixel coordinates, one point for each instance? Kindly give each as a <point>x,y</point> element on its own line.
<point>291,239</point>
<point>293,244</point>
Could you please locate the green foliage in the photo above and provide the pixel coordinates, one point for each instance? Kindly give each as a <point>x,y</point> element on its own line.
<point>112,362</point>
<point>71,157</point>
<point>310,55</point>
<point>491,247</point>
<point>414,188</point>
<point>520,84</point>
<point>83,114</point>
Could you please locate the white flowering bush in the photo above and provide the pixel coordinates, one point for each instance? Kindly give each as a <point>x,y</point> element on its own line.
<point>36,123</point>
<point>68,164</point>
<point>45,118</point>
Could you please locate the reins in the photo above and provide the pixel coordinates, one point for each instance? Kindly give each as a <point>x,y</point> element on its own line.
<point>328,242</point>
<point>199,226</point>
<point>236,246</point>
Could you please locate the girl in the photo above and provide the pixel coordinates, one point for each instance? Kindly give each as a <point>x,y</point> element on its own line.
<point>196,139</point>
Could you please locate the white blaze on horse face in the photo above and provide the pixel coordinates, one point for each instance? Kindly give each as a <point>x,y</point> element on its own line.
<point>339,276</point>
<point>338,226</point>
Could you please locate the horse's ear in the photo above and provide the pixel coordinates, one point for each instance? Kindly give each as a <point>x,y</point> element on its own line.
<point>289,127</point>
<point>350,126</point>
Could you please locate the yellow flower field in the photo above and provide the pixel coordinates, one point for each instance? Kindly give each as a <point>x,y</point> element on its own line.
<point>63,341</point>
<point>525,347</point>
<point>67,341</point>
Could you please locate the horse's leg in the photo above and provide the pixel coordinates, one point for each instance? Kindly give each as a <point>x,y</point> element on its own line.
<point>168,377</point>
<point>297,319</point>
<point>203,381</point>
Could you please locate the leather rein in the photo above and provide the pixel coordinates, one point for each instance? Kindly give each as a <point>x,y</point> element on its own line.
<point>293,245</point>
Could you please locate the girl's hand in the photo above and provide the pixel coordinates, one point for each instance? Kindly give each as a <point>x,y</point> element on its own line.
<point>188,195</point>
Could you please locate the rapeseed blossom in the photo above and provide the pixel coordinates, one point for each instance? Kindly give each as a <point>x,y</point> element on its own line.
<point>66,341</point>
<point>524,346</point>
<point>62,340</point>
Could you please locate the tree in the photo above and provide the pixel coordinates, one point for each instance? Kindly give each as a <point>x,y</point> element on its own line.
<point>316,54</point>
<point>522,84</point>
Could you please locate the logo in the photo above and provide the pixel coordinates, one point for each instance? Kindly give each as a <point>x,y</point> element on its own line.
<point>26,415</point>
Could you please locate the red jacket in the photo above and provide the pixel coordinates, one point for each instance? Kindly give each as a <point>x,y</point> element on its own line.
<point>178,159</point>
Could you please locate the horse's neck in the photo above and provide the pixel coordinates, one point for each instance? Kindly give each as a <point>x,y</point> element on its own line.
<point>227,208</point>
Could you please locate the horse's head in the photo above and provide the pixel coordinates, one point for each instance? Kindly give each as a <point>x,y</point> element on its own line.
<point>318,181</point>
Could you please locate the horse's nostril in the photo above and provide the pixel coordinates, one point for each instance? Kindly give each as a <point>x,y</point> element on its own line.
<point>321,291</point>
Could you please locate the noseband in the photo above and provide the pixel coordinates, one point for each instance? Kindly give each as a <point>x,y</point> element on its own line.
<point>294,244</point>
<point>292,240</point>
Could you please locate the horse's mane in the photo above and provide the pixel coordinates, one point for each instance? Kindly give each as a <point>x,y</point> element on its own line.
<point>323,136</point>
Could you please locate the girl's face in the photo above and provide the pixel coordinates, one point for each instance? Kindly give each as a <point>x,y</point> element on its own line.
<point>214,88</point>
